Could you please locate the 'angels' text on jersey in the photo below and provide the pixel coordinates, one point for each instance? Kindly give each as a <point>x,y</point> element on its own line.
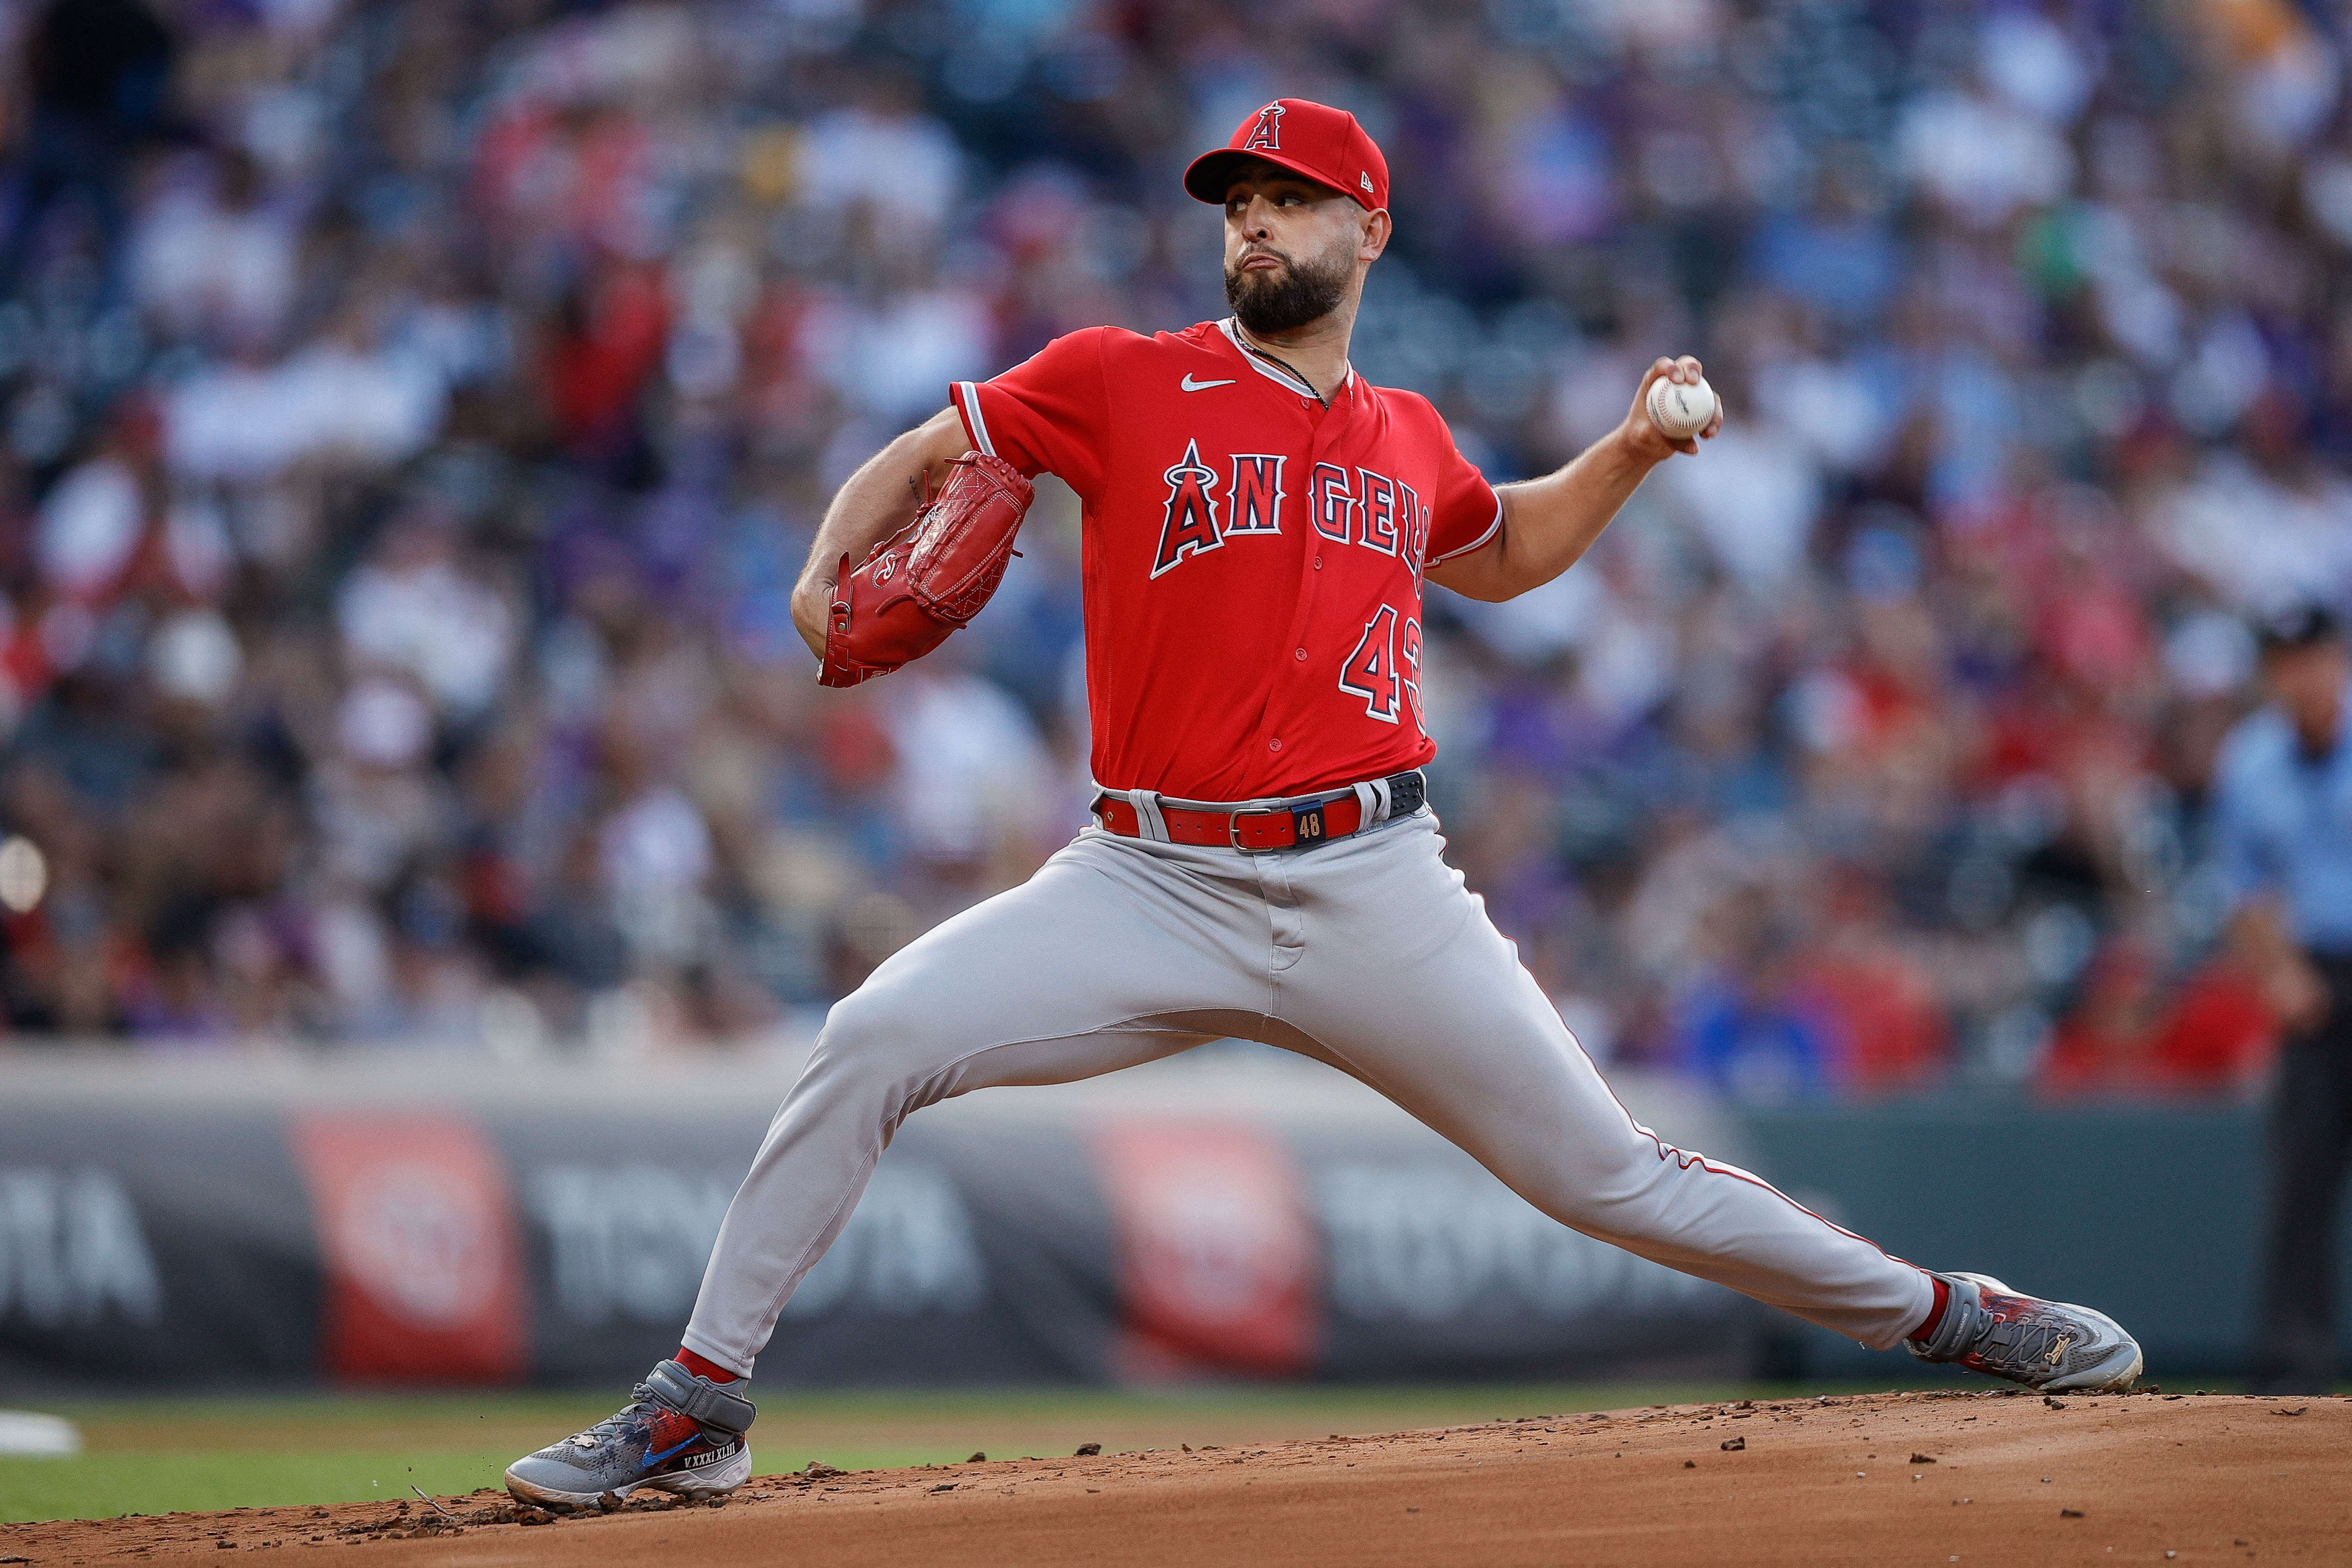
<point>1242,494</point>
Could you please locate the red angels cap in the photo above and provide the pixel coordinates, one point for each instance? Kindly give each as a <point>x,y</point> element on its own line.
<point>1323,143</point>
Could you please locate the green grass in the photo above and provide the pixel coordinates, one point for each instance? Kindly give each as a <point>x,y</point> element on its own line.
<point>164,1456</point>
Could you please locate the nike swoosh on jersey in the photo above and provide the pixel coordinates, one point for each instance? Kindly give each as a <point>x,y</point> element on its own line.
<point>1189,384</point>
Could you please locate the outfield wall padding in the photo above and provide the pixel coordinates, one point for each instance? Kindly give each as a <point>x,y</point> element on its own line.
<point>432,1220</point>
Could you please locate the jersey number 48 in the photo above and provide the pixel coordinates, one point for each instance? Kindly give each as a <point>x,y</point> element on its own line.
<point>1385,674</point>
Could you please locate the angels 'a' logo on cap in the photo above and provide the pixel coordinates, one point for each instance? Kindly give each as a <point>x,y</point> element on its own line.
<point>1267,132</point>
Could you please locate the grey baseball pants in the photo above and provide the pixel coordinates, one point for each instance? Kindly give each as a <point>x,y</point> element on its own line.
<point>1367,952</point>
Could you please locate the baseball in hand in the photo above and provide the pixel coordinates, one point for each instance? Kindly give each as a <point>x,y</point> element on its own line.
<point>1680,410</point>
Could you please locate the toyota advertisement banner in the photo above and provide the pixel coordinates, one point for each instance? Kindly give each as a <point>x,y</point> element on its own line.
<point>155,1243</point>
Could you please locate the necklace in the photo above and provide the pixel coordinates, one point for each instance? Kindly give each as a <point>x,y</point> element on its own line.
<point>1242,337</point>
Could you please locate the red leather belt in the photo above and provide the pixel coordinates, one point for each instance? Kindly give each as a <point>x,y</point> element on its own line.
<point>1279,825</point>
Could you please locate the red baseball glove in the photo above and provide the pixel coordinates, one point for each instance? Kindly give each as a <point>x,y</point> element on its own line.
<point>927,579</point>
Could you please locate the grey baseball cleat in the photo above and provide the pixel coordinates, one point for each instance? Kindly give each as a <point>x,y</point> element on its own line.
<point>2054,1346</point>
<point>678,1433</point>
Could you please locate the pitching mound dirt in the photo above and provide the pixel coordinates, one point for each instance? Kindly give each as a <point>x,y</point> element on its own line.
<point>1911,1478</point>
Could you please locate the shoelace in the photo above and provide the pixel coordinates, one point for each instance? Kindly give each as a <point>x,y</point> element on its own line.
<point>2027,1339</point>
<point>611,1426</point>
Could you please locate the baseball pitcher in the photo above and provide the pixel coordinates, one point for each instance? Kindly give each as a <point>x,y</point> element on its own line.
<point>1258,525</point>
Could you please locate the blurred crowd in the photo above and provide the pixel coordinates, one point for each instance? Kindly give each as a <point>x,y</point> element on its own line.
<point>412,417</point>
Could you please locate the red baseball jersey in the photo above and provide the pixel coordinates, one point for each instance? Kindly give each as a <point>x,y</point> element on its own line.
<point>1253,560</point>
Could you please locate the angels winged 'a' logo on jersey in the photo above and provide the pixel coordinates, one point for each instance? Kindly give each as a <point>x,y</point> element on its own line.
<point>1189,524</point>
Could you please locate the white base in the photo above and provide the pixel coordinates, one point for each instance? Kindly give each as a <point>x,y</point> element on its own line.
<point>27,1436</point>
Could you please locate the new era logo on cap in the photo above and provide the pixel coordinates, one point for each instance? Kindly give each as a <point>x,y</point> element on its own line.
<point>1314,139</point>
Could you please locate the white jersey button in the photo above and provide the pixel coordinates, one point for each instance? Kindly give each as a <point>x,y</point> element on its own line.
<point>1301,654</point>
<point>1275,745</point>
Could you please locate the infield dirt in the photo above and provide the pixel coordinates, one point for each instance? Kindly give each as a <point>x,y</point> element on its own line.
<point>1926,1478</point>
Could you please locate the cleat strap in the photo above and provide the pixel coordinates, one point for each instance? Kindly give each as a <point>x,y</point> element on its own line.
<point>1963,1326</point>
<point>700,1399</point>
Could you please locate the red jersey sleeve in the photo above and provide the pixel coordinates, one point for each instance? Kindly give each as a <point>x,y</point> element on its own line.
<point>1050,413</point>
<point>1465,514</point>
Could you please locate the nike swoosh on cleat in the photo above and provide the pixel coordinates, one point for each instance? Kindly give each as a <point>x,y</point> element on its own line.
<point>653,1460</point>
<point>1189,384</point>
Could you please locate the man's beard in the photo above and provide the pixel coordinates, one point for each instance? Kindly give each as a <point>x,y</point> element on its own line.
<point>1270,303</point>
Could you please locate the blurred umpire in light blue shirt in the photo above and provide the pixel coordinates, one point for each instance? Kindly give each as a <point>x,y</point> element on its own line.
<point>2282,827</point>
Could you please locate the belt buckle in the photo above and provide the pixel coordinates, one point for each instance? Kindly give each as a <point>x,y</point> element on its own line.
<point>1306,826</point>
<point>1234,827</point>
